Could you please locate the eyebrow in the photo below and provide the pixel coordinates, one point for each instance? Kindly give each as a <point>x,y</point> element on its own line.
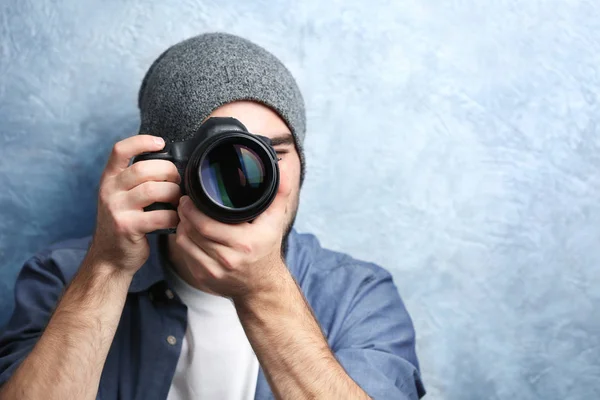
<point>283,139</point>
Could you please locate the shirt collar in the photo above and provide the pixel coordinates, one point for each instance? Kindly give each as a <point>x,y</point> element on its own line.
<point>153,270</point>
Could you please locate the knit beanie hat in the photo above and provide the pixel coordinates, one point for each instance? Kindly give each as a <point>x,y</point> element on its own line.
<point>192,78</point>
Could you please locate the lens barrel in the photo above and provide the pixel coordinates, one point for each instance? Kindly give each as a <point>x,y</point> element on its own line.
<point>232,176</point>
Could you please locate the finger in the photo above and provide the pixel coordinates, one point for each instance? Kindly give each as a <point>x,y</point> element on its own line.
<point>202,225</point>
<point>124,150</point>
<point>209,266</point>
<point>152,192</point>
<point>149,221</point>
<point>148,170</point>
<point>208,246</point>
<point>213,248</point>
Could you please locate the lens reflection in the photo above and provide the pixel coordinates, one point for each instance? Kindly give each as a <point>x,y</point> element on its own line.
<point>233,175</point>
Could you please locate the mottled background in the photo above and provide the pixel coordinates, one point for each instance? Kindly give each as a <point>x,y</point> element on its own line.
<point>455,143</point>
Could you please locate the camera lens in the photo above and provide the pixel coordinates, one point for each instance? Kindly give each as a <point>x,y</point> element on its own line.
<point>233,175</point>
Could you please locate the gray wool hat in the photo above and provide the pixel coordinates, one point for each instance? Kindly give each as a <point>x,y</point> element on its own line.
<point>192,78</point>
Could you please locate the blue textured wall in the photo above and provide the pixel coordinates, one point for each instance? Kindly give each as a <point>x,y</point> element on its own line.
<point>454,142</point>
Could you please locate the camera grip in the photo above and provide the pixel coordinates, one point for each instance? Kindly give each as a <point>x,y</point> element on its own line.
<point>160,155</point>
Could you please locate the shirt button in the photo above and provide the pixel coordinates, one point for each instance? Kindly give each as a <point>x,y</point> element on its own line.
<point>169,294</point>
<point>171,340</point>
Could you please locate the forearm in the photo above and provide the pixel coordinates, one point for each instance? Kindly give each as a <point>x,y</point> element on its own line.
<point>290,346</point>
<point>67,361</point>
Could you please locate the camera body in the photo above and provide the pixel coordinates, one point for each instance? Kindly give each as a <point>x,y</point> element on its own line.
<point>230,174</point>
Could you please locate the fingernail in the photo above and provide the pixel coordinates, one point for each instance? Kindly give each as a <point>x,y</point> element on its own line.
<point>159,141</point>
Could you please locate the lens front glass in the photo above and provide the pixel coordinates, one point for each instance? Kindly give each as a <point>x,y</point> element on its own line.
<point>233,175</point>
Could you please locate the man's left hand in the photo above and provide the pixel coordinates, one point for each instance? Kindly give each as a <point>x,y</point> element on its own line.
<point>234,260</point>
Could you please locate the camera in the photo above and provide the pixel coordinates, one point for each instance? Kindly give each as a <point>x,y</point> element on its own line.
<point>230,174</point>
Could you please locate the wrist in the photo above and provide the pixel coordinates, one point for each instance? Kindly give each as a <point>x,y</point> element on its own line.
<point>102,266</point>
<point>95,286</point>
<point>269,295</point>
<point>95,271</point>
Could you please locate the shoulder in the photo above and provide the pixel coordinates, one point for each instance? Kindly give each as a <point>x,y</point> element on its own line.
<point>314,262</point>
<point>336,284</point>
<point>356,302</point>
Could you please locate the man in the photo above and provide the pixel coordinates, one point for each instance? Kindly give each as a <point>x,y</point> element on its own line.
<point>220,311</point>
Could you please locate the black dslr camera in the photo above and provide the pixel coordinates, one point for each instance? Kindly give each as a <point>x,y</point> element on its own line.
<point>230,174</point>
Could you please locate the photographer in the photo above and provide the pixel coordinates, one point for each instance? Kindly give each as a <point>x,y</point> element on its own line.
<point>220,310</point>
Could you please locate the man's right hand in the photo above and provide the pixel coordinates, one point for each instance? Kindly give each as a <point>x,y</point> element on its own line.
<point>76,341</point>
<point>121,226</point>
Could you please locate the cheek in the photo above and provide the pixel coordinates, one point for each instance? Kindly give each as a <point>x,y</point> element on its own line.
<point>289,171</point>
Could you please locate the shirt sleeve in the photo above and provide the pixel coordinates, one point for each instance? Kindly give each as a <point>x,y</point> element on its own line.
<point>376,346</point>
<point>37,290</point>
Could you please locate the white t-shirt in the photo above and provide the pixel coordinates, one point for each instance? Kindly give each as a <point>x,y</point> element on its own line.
<point>216,360</point>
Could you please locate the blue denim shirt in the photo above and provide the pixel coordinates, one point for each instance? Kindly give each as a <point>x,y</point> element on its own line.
<point>356,303</point>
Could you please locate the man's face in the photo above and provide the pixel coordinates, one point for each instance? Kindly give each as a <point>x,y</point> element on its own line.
<point>261,120</point>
